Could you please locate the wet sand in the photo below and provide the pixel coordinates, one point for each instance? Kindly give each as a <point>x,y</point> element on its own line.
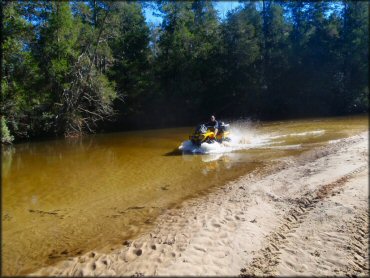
<point>304,215</point>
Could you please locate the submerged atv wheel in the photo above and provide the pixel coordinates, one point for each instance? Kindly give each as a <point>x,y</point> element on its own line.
<point>210,141</point>
<point>196,143</point>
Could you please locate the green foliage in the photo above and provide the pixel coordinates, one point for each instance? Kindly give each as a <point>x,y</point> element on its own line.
<point>58,46</point>
<point>130,51</point>
<point>6,138</point>
<point>20,72</point>
<point>67,66</point>
<point>242,63</point>
<point>355,47</point>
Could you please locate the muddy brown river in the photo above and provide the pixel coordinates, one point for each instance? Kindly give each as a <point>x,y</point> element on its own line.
<point>62,198</point>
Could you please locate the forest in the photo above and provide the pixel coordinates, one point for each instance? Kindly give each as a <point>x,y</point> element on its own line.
<point>71,68</point>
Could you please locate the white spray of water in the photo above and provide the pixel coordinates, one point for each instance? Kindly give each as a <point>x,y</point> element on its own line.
<point>300,134</point>
<point>244,135</point>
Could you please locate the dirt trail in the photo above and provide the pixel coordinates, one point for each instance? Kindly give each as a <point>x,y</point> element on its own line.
<point>306,215</point>
<point>293,244</point>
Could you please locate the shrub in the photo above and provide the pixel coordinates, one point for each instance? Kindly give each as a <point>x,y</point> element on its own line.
<point>6,137</point>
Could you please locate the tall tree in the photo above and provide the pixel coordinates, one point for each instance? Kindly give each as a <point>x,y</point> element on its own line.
<point>20,71</point>
<point>130,50</point>
<point>321,53</point>
<point>206,66</point>
<point>242,34</point>
<point>275,61</point>
<point>176,45</point>
<point>81,94</point>
<point>355,44</point>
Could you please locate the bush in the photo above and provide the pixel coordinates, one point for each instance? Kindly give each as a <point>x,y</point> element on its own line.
<point>6,138</point>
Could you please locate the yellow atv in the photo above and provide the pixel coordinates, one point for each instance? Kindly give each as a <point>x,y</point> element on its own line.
<point>205,134</point>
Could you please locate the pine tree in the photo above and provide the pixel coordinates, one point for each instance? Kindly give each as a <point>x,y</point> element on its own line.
<point>20,71</point>
<point>242,34</point>
<point>275,59</point>
<point>176,46</point>
<point>130,50</point>
<point>81,94</point>
<point>355,46</point>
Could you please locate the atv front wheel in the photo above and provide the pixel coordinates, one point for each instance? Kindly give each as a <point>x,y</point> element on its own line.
<point>196,143</point>
<point>210,141</point>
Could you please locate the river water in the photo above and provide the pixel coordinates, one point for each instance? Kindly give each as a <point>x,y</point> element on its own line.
<point>62,198</point>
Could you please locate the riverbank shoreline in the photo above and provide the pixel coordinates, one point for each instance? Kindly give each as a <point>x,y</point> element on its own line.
<point>304,215</point>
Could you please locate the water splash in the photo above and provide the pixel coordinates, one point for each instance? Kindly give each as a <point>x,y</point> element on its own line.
<point>300,134</point>
<point>246,135</point>
<point>243,135</point>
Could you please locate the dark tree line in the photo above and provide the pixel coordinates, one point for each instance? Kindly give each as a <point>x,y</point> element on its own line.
<point>75,67</point>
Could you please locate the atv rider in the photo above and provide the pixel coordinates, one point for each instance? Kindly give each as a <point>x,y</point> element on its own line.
<point>213,124</point>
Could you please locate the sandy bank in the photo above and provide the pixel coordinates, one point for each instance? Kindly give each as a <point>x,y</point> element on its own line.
<point>306,215</point>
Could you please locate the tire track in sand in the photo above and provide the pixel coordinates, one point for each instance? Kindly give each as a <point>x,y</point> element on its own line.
<point>267,259</point>
<point>358,245</point>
